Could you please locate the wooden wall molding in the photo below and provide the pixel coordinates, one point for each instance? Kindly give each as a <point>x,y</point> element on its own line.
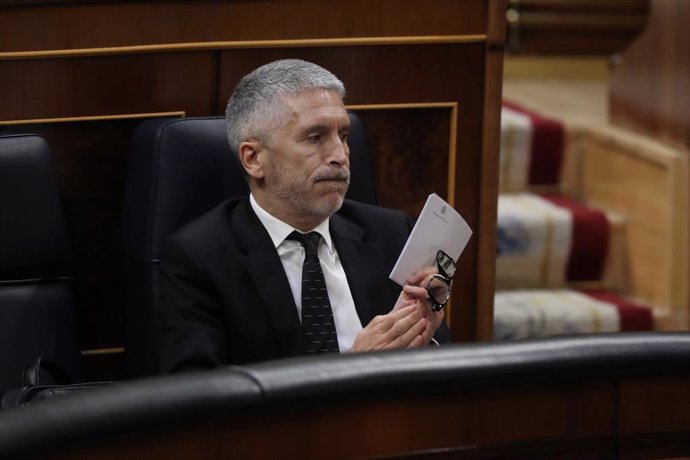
<point>127,116</point>
<point>103,351</point>
<point>111,23</point>
<point>205,46</point>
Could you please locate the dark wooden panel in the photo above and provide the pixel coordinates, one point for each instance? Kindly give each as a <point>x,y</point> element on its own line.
<point>483,318</point>
<point>107,366</point>
<point>652,423</point>
<point>649,82</point>
<point>672,446</point>
<point>107,85</point>
<point>564,420</point>
<point>113,23</point>
<point>473,423</point>
<point>426,73</point>
<point>648,405</point>
<point>409,149</point>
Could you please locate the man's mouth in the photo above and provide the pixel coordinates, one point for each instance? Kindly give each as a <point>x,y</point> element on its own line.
<point>333,176</point>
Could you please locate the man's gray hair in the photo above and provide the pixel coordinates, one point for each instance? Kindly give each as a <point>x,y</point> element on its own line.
<point>255,108</point>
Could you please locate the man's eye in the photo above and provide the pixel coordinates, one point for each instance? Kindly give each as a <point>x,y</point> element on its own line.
<point>314,137</point>
<point>344,136</point>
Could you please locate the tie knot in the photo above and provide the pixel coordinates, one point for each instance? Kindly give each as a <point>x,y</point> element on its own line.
<point>310,241</point>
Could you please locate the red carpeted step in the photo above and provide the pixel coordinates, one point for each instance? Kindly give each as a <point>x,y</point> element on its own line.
<point>523,314</point>
<point>548,241</point>
<point>590,239</point>
<point>547,146</point>
<point>634,316</point>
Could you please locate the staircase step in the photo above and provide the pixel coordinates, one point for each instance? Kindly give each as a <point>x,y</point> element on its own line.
<point>523,314</point>
<point>590,239</point>
<point>532,147</point>
<point>550,241</point>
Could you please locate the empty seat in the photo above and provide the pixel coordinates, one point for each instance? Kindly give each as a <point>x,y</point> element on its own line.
<point>37,312</point>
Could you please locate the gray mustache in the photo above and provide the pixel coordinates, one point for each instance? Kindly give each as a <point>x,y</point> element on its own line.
<point>333,174</point>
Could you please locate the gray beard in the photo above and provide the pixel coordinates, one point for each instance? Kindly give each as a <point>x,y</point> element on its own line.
<point>300,201</point>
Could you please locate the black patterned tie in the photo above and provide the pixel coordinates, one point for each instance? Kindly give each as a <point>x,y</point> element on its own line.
<point>317,316</point>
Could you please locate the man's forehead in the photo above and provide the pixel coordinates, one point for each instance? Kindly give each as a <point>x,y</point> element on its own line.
<point>317,103</point>
<point>315,108</point>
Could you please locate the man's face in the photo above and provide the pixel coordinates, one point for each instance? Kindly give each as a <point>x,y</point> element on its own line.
<point>307,164</point>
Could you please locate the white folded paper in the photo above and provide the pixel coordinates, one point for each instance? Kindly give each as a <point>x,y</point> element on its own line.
<point>439,226</point>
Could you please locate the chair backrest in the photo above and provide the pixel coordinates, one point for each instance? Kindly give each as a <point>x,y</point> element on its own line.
<point>177,170</point>
<point>37,312</point>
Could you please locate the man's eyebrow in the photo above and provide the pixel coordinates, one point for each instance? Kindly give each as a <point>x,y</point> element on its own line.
<point>322,128</point>
<point>317,127</point>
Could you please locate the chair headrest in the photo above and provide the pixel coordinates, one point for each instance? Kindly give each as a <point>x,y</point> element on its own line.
<point>181,168</point>
<point>33,238</point>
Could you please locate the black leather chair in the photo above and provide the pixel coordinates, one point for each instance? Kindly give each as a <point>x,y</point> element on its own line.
<point>177,170</point>
<point>37,312</point>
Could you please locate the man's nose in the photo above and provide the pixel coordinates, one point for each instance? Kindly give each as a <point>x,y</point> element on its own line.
<point>339,152</point>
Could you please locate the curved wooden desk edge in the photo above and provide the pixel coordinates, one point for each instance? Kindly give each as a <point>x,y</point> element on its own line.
<point>624,395</point>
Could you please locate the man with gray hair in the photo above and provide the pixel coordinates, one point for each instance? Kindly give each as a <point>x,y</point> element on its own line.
<point>294,268</point>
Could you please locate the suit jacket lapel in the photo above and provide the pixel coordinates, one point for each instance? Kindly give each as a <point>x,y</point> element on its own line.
<point>266,270</point>
<point>363,267</point>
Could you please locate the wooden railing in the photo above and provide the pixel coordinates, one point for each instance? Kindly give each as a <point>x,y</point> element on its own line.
<point>594,397</point>
<point>649,82</point>
<point>581,27</point>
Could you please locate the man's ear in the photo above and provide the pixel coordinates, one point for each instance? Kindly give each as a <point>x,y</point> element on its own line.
<point>249,157</point>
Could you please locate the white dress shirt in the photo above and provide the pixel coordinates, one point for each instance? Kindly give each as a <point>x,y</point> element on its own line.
<point>291,253</point>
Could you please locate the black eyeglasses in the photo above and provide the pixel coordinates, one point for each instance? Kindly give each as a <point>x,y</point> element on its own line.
<point>439,285</point>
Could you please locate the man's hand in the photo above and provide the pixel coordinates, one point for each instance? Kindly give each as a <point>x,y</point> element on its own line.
<point>415,291</point>
<point>402,328</point>
<point>419,296</point>
<point>410,324</point>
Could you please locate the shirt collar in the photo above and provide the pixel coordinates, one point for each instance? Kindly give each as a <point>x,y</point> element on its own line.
<point>279,230</point>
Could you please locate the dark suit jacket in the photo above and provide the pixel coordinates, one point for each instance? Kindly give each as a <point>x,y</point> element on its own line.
<point>225,297</point>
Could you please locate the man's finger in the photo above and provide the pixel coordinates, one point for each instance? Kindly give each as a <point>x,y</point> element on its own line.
<point>417,293</point>
<point>404,340</point>
<point>399,322</point>
<point>403,301</point>
<point>418,276</point>
<point>417,342</point>
<point>408,309</point>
